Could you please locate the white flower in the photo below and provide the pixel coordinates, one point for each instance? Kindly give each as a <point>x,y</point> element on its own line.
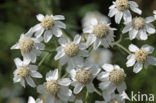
<point>121,8</point>
<point>30,47</point>
<point>76,98</point>
<point>139,27</point>
<point>86,21</point>
<point>112,79</point>
<point>32,100</point>
<point>140,58</point>
<point>154,14</point>
<point>115,98</point>
<point>100,56</point>
<point>56,90</point>
<point>99,32</point>
<point>49,25</point>
<point>71,52</point>
<point>24,72</point>
<point>83,76</point>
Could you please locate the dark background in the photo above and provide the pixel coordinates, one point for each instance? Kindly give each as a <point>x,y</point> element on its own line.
<point>17,16</point>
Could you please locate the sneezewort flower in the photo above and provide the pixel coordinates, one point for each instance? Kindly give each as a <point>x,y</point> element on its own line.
<point>83,76</point>
<point>55,90</point>
<point>49,25</point>
<point>113,78</point>
<point>121,8</point>
<point>140,57</point>
<point>99,33</point>
<point>25,71</point>
<point>30,47</point>
<point>71,51</point>
<point>32,100</point>
<point>139,27</point>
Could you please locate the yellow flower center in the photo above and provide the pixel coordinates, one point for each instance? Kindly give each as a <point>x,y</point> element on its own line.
<point>122,5</point>
<point>47,23</point>
<point>23,72</point>
<point>101,30</point>
<point>84,76</point>
<point>141,55</point>
<point>138,23</point>
<point>52,87</point>
<point>71,49</point>
<point>26,44</point>
<point>117,76</point>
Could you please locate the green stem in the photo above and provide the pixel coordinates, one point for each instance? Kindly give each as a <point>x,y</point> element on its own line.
<point>122,47</point>
<point>98,92</point>
<point>45,56</point>
<point>86,96</point>
<point>65,75</point>
<point>60,70</point>
<point>49,51</point>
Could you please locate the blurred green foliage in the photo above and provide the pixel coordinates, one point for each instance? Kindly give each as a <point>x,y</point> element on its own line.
<point>17,16</point>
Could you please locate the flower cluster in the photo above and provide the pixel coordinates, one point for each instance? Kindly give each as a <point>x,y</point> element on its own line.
<point>83,58</point>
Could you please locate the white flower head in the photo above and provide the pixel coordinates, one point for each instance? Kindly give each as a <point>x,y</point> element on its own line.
<point>25,71</point>
<point>30,47</point>
<point>71,51</point>
<point>140,57</point>
<point>112,79</point>
<point>99,32</point>
<point>55,89</point>
<point>139,27</point>
<point>154,12</point>
<point>83,76</point>
<point>49,25</point>
<point>94,15</point>
<point>121,8</point>
<point>115,98</point>
<point>32,100</point>
<point>100,56</point>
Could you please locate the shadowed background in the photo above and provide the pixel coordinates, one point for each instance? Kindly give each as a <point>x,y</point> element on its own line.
<point>17,16</point>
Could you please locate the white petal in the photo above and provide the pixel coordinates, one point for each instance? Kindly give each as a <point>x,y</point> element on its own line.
<point>30,82</point>
<point>143,35</point>
<point>121,87</point>
<point>104,85</point>
<point>63,60</point>
<point>26,61</point>
<point>90,88</point>
<point>59,55</point>
<point>90,40</point>
<point>150,28</point>
<point>78,88</point>
<point>39,17</point>
<point>60,24</point>
<point>133,48</point>
<point>62,41</point>
<point>93,21</point>
<point>64,81</point>
<point>58,17</point>
<point>36,75</point>
<point>78,101</point>
<point>151,60</point>
<point>137,67</point>
<point>41,89</point>
<point>88,29</point>
<point>77,39</point>
<point>148,48</point>
<point>35,28</point>
<point>16,79</point>
<point>22,83</point>
<point>127,28</point>
<point>18,62</point>
<point>39,33</point>
<point>133,3</point>
<point>52,75</point>
<point>47,35</point>
<point>131,61</point>
<point>112,12</point>
<point>95,70</point>
<point>57,32</point>
<point>133,33</point>
<point>103,76</point>
<point>135,9</point>
<point>118,17</point>
<point>16,46</point>
<point>108,67</point>
<point>31,100</point>
<point>149,19</point>
<point>127,16</point>
<point>97,44</point>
